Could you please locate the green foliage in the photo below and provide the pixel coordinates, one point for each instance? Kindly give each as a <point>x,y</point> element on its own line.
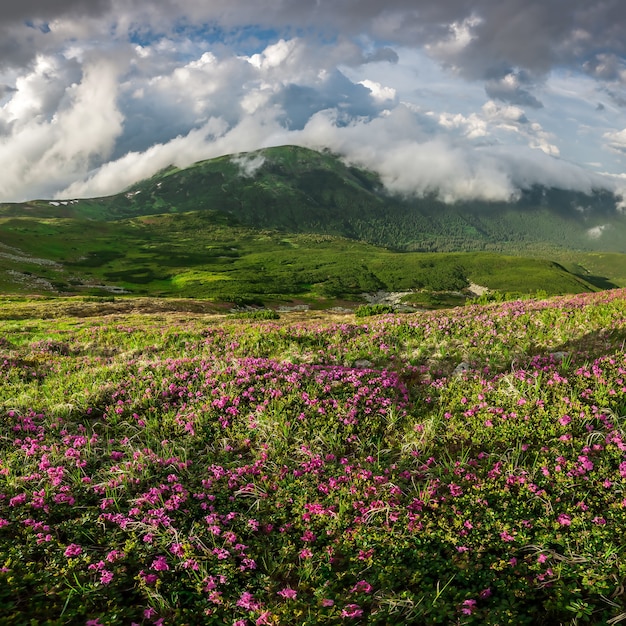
<point>367,310</point>
<point>261,314</point>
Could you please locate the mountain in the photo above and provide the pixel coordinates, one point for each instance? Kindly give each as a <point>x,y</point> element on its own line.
<point>292,221</point>
<point>298,190</point>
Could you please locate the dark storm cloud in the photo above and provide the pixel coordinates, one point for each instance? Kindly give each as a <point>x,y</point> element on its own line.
<point>512,88</point>
<point>530,34</point>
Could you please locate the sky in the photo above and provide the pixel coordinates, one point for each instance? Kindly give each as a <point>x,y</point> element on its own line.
<point>468,99</point>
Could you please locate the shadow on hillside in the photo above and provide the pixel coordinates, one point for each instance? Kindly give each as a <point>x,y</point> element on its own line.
<point>591,345</point>
<point>601,282</point>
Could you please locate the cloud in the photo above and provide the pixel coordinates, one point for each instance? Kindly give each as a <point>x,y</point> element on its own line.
<point>249,164</point>
<point>54,135</point>
<point>399,145</point>
<point>616,140</point>
<point>95,94</point>
<point>509,88</point>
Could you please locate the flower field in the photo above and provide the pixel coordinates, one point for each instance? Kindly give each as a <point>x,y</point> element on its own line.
<point>452,467</point>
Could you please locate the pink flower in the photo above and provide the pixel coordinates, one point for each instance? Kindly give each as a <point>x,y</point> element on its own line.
<point>468,607</point>
<point>565,420</point>
<point>352,610</point>
<point>564,520</point>
<point>149,612</point>
<point>72,550</point>
<point>361,587</point>
<point>247,601</point>
<point>160,564</point>
<point>93,622</point>
<point>305,553</point>
<point>327,602</point>
<point>455,490</point>
<point>542,558</point>
<point>106,576</point>
<point>288,593</point>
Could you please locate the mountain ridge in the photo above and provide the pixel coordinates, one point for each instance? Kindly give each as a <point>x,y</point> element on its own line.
<point>297,189</point>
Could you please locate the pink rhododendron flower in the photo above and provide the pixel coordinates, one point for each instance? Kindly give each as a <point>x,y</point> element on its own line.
<point>288,593</point>
<point>468,607</point>
<point>352,610</point>
<point>73,550</point>
<point>564,520</point>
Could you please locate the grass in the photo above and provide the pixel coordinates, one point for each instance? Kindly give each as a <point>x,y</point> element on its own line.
<point>201,255</point>
<point>176,465</point>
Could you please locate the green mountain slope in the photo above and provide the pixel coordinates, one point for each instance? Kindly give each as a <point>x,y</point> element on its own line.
<point>203,254</point>
<point>295,189</point>
<point>294,223</point>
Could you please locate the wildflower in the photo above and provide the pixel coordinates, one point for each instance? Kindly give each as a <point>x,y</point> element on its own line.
<point>542,558</point>
<point>106,576</point>
<point>361,587</point>
<point>305,553</point>
<point>564,520</point>
<point>247,601</point>
<point>149,612</point>
<point>327,602</point>
<point>263,619</point>
<point>160,564</point>
<point>352,610</point>
<point>72,550</point>
<point>288,593</point>
<point>468,607</point>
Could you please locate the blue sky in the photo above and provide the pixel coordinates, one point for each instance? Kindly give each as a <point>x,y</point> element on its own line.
<point>467,99</point>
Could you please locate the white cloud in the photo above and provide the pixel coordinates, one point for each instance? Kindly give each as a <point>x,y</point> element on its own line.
<point>94,96</point>
<point>379,93</point>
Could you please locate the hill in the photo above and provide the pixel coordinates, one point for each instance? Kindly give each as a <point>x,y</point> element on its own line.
<point>292,222</point>
<point>298,190</point>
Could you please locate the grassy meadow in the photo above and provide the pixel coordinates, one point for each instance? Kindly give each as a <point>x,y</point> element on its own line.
<point>205,255</point>
<point>177,466</point>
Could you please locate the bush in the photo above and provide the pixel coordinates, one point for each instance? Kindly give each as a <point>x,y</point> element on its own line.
<point>260,314</point>
<point>366,310</point>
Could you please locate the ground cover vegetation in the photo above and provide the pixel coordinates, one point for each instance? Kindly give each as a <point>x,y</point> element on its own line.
<point>175,467</point>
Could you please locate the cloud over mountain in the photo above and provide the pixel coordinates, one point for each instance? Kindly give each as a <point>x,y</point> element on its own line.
<point>472,99</point>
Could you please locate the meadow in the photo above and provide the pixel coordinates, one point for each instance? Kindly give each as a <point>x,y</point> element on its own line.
<point>461,466</point>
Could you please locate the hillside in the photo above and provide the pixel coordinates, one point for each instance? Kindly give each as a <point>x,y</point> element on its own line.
<point>298,190</point>
<point>293,223</point>
<point>450,467</point>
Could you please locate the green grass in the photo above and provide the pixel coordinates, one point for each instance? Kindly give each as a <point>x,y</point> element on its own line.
<point>200,255</point>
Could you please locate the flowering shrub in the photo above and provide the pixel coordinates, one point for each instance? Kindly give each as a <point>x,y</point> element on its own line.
<point>256,472</point>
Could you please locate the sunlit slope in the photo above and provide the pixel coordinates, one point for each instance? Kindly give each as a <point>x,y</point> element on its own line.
<point>203,254</point>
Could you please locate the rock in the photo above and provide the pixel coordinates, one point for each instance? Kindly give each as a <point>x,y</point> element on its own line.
<point>461,369</point>
<point>363,363</point>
